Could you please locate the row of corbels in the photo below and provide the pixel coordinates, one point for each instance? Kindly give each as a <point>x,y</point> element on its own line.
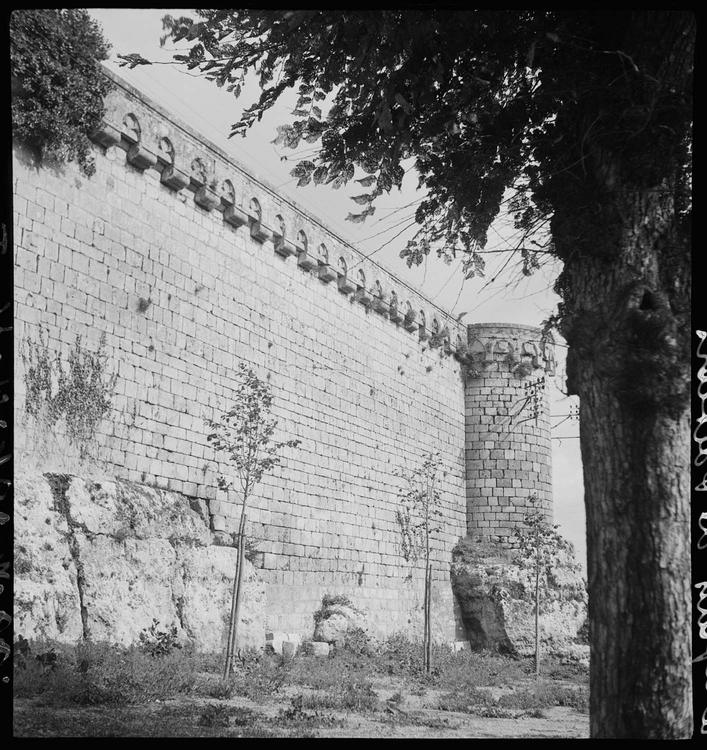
<point>211,194</point>
<point>521,357</point>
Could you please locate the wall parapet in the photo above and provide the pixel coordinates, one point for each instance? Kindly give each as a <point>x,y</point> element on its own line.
<point>154,139</point>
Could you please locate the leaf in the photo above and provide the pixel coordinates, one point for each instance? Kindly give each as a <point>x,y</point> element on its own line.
<point>384,118</point>
<point>362,199</point>
<point>367,181</point>
<point>320,174</point>
<point>403,102</point>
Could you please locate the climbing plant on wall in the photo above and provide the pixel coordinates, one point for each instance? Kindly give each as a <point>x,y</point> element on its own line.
<point>77,390</point>
<point>419,518</point>
<point>57,83</point>
<point>244,434</point>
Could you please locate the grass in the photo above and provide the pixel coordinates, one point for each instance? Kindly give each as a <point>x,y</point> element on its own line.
<point>154,689</point>
<point>531,701</point>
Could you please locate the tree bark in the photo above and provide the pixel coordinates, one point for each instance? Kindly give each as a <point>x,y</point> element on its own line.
<point>235,602</point>
<point>627,326</point>
<point>619,226</point>
<point>537,617</point>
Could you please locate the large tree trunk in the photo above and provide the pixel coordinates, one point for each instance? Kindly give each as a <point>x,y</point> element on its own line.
<point>628,330</point>
<point>619,225</point>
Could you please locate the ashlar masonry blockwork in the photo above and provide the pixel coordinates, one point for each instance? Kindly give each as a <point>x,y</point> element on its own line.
<point>182,264</point>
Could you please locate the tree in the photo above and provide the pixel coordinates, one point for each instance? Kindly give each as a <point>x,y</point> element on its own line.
<point>583,119</point>
<point>57,84</point>
<point>539,545</point>
<point>245,434</point>
<point>419,518</point>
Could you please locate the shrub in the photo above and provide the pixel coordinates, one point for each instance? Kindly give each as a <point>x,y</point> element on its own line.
<point>357,642</point>
<point>256,676</point>
<point>328,601</point>
<point>57,83</point>
<point>159,642</point>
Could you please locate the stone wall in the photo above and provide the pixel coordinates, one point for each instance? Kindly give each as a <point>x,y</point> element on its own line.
<point>183,264</point>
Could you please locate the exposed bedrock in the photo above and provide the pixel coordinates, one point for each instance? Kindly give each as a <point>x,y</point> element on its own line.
<point>496,597</point>
<point>105,559</point>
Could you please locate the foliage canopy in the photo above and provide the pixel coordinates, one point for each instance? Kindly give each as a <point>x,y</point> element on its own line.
<point>482,101</point>
<point>57,83</point>
<point>245,433</point>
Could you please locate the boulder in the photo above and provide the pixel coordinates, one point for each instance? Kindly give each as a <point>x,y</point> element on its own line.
<point>337,616</point>
<point>496,600</point>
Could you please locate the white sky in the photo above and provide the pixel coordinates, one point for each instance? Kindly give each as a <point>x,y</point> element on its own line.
<point>511,299</point>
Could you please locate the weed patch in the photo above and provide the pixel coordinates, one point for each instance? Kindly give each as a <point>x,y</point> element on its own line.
<point>352,696</point>
<point>467,701</point>
<point>97,673</point>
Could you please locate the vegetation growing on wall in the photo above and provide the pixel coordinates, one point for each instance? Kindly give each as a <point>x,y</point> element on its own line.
<point>77,391</point>
<point>57,83</point>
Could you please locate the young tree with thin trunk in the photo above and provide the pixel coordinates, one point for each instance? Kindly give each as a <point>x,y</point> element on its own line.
<point>419,517</point>
<point>580,123</point>
<point>245,434</point>
<point>539,545</point>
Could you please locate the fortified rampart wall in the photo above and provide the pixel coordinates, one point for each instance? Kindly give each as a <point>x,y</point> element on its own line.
<point>178,264</point>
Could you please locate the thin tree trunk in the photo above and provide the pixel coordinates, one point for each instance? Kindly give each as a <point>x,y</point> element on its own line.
<point>425,617</point>
<point>235,602</point>
<point>537,622</point>
<point>428,622</point>
<point>241,555</point>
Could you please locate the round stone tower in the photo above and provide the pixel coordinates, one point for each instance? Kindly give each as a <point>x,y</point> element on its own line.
<point>508,448</point>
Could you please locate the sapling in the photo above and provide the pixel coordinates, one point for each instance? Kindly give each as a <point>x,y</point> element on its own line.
<point>538,546</point>
<point>419,517</point>
<point>245,434</point>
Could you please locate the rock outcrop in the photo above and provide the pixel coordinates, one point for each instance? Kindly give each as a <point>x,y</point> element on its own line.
<point>496,599</point>
<point>103,559</point>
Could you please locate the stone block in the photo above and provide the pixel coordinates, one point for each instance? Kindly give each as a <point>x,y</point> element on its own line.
<point>206,198</point>
<point>141,157</point>
<point>174,178</point>
<point>316,648</point>
<point>327,273</point>
<point>276,641</point>
<point>235,216</point>
<point>289,649</point>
